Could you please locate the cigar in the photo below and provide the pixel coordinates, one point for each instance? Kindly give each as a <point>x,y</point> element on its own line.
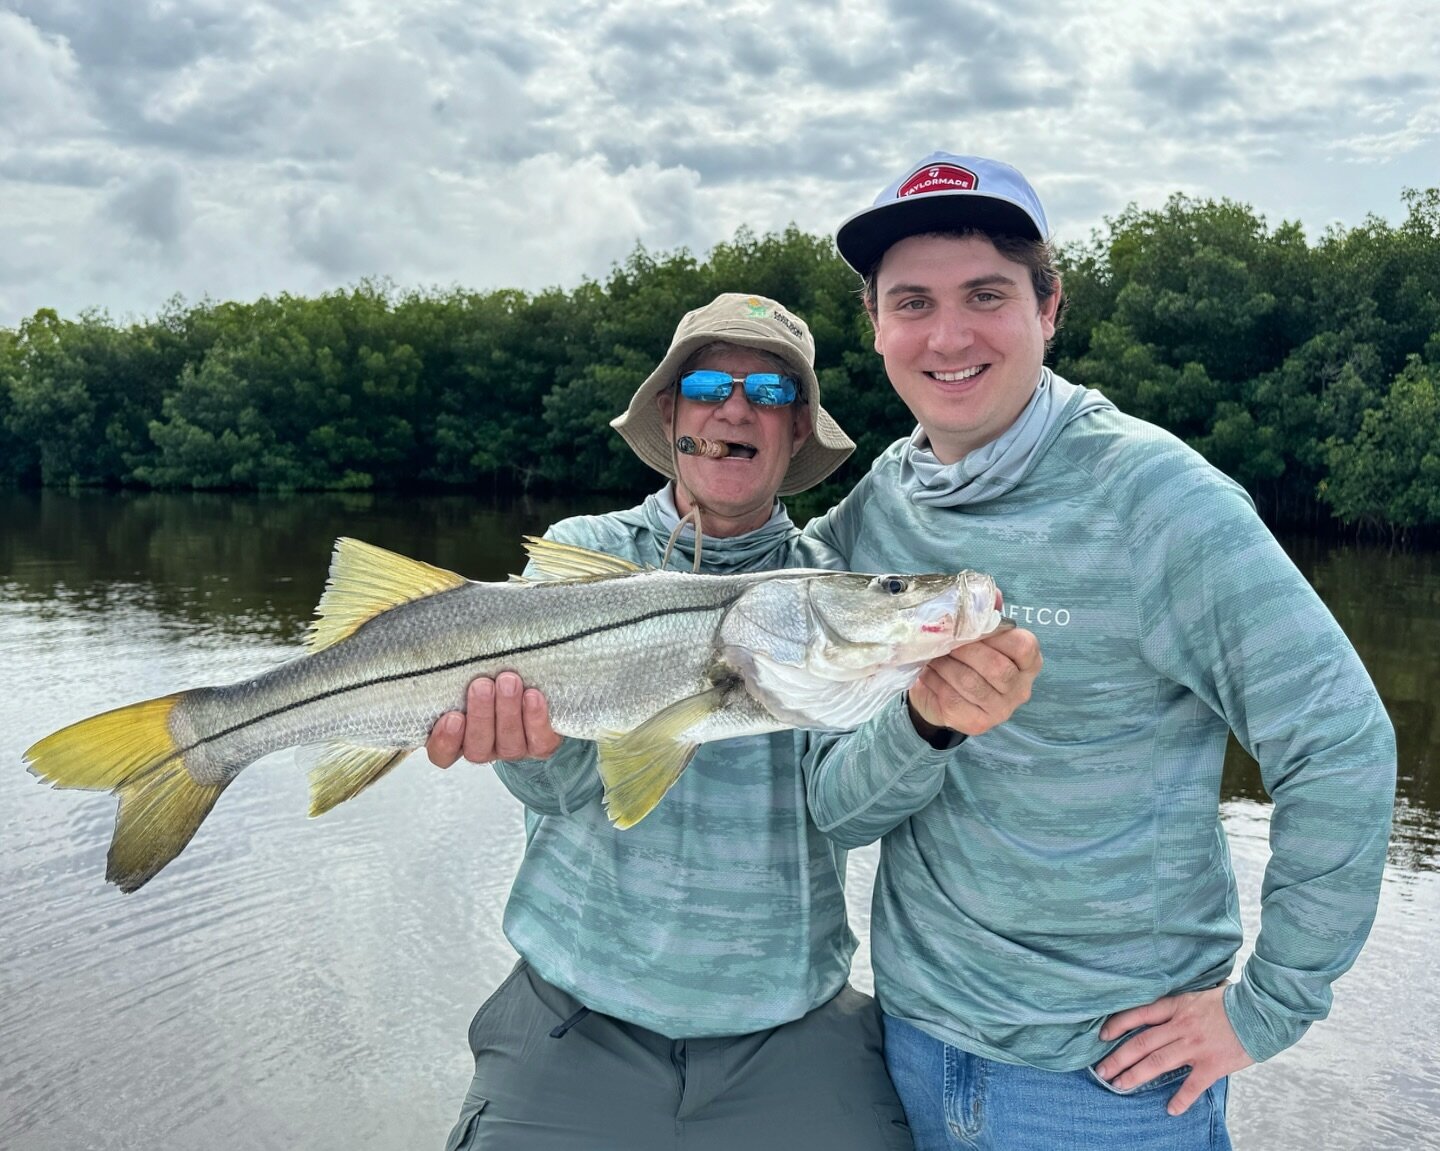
<point>695,446</point>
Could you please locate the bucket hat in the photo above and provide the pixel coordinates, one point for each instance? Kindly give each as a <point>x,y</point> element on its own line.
<point>750,322</point>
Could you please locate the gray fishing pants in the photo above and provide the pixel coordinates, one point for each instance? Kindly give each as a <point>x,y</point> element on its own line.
<point>546,1080</point>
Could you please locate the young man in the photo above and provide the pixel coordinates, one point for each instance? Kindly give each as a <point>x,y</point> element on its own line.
<point>682,984</point>
<point>1055,915</point>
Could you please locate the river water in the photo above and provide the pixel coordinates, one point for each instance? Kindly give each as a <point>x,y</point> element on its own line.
<point>298,984</point>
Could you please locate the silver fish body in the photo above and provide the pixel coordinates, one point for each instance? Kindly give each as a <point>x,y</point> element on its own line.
<point>647,663</point>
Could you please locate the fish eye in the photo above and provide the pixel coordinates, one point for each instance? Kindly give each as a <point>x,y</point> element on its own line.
<point>892,584</point>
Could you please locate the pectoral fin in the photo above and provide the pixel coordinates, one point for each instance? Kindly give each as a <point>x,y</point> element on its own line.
<point>344,770</point>
<point>640,766</point>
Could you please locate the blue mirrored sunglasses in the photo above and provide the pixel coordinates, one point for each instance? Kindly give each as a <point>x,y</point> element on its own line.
<point>768,389</point>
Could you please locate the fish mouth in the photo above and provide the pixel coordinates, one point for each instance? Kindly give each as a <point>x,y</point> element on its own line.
<point>980,593</point>
<point>947,624</point>
<point>941,617</point>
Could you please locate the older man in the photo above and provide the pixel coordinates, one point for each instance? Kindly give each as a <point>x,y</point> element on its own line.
<point>1055,914</point>
<point>682,984</point>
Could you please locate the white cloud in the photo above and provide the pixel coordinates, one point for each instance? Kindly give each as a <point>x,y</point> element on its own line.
<point>244,148</point>
<point>38,93</point>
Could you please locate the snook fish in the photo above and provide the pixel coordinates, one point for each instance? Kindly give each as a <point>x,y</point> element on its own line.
<point>647,663</point>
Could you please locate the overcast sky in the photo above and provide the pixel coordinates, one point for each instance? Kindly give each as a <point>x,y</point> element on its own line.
<point>234,148</point>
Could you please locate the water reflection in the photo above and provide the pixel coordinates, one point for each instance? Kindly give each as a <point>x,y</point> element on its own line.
<point>309,984</point>
<point>1389,605</point>
<point>250,565</point>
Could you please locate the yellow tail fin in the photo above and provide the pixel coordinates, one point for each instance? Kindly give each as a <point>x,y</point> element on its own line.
<point>131,752</point>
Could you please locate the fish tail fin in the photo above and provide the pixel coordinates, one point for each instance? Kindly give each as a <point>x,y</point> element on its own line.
<point>159,812</point>
<point>131,752</point>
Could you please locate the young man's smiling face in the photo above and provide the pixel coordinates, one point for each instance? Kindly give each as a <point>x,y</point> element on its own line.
<point>962,335</point>
<point>736,493</point>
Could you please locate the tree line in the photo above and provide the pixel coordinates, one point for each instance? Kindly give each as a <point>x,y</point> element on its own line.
<point>1308,371</point>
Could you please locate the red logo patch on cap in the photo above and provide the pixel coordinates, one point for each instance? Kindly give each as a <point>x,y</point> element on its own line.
<point>938,178</point>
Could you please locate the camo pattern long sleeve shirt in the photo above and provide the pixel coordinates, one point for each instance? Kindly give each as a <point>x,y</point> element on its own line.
<point>1071,863</point>
<point>723,911</point>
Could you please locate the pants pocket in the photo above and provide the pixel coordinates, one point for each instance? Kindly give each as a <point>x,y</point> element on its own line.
<point>1165,1080</point>
<point>463,1135</point>
<point>894,1127</point>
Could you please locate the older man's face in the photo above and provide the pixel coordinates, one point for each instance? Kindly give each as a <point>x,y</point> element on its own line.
<point>736,493</point>
<point>963,337</point>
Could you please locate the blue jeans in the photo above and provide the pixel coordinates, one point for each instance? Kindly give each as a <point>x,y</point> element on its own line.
<point>957,1100</point>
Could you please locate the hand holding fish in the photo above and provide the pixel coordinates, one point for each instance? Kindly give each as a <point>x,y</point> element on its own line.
<point>1191,1030</point>
<point>977,686</point>
<point>502,720</point>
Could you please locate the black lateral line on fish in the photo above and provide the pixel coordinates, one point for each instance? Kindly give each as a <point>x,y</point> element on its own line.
<point>397,676</point>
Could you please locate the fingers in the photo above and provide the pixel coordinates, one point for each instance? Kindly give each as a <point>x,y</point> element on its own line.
<point>479,737</point>
<point>506,727</point>
<point>1189,1030</point>
<point>1138,1060</point>
<point>1148,1016</point>
<point>1206,1068</point>
<point>443,746</point>
<point>1019,646</point>
<point>950,693</point>
<point>503,720</point>
<point>980,684</point>
<point>1192,1087</point>
<point>541,739</point>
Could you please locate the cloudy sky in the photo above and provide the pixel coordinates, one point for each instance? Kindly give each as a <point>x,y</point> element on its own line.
<point>235,148</point>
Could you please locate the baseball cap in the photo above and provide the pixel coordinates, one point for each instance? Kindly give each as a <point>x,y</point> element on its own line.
<point>942,191</point>
<point>751,322</point>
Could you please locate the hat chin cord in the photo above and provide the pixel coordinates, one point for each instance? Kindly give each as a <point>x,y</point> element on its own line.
<point>693,516</point>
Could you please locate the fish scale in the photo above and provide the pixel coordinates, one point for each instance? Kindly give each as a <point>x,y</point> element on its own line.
<point>647,643</point>
<point>647,663</point>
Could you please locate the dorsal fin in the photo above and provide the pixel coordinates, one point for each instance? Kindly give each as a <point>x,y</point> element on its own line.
<point>557,561</point>
<point>366,580</point>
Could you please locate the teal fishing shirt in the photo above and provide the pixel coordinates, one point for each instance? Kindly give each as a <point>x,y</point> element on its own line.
<point>723,911</point>
<point>1071,863</point>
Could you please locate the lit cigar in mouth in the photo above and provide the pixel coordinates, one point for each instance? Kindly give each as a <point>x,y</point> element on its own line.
<point>713,449</point>
<point>695,446</point>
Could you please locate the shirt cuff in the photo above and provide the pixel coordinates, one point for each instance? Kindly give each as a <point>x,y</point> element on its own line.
<point>1262,1025</point>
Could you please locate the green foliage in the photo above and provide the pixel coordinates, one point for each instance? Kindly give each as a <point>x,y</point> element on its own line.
<point>19,462</point>
<point>1268,355</point>
<point>78,394</point>
<point>1389,473</point>
<point>1305,370</point>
